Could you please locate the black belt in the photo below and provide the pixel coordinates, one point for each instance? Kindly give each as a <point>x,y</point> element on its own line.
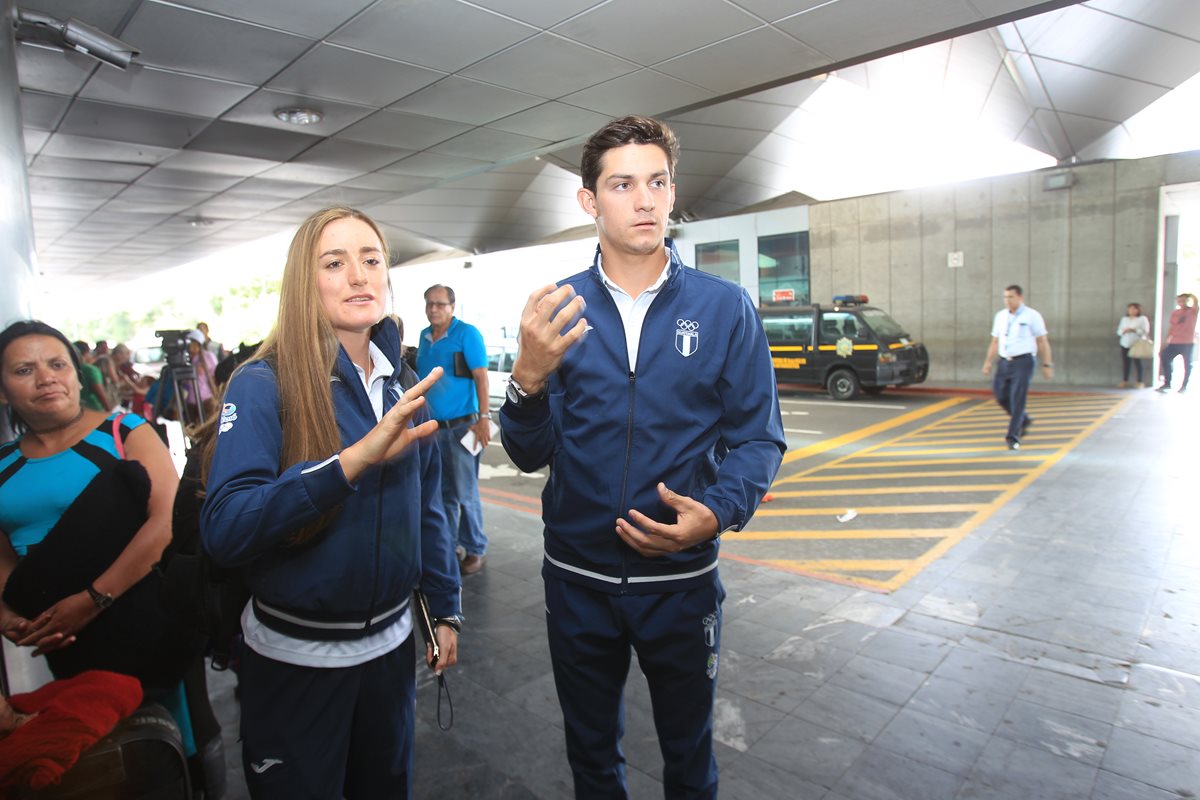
<point>1014,358</point>
<point>450,423</point>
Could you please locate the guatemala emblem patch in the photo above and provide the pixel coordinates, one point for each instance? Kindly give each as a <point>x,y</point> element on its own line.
<point>687,337</point>
<point>711,669</point>
<point>845,347</point>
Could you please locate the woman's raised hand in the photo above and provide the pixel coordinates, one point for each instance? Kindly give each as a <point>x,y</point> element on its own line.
<point>391,435</point>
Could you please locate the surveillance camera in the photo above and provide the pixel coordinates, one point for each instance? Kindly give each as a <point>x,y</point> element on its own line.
<point>35,26</point>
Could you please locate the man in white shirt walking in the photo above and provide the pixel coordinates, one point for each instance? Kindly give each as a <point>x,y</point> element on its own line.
<point>1019,335</point>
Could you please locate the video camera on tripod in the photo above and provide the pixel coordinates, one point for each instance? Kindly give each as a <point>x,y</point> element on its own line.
<point>178,373</point>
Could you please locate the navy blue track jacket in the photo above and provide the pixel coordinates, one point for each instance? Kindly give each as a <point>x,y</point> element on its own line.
<point>389,532</point>
<point>700,413</point>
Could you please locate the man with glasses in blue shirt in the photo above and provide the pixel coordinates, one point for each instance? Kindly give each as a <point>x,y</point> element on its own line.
<point>1018,335</point>
<point>459,403</point>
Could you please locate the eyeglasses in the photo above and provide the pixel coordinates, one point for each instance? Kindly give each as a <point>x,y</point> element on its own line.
<point>431,304</point>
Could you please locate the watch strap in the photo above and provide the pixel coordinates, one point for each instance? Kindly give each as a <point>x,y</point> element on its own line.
<point>101,599</point>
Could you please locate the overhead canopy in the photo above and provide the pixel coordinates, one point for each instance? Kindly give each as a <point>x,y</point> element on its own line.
<point>457,125</point>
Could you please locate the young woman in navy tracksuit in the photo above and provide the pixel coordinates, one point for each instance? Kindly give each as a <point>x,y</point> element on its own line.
<point>322,487</point>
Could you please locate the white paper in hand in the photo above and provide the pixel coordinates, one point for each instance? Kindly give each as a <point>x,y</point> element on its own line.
<point>472,444</point>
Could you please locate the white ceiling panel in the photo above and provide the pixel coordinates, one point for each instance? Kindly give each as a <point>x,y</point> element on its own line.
<point>748,113</point>
<point>42,111</point>
<point>1113,44</point>
<point>548,66</point>
<point>1182,19</point>
<point>488,144</point>
<point>310,173</point>
<point>384,182</point>
<point>744,61</point>
<point>314,20</point>
<point>842,29</point>
<point>772,10</point>
<point>1078,90</point>
<point>269,187</point>
<point>539,12</point>
<point>185,40</point>
<point>1082,131</point>
<point>347,154</point>
<point>637,30</point>
<point>348,75</point>
<point>219,163</point>
<point>643,92</point>
<point>443,34</point>
<point>35,140</point>
<point>147,87</point>
<point>252,141</point>
<point>125,124</point>
<point>466,101</point>
<point>47,70</point>
<point>167,178</point>
<point>554,121</point>
<point>406,131</point>
<point>435,165</point>
<point>86,169</point>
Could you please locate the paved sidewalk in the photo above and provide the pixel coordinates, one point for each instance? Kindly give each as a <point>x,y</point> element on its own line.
<point>1053,653</point>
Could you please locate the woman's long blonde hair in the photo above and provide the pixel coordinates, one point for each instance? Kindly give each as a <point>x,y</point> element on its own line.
<point>302,349</point>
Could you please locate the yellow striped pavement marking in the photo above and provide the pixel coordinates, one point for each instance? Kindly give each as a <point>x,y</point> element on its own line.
<point>913,455</point>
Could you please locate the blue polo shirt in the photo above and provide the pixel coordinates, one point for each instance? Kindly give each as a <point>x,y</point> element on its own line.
<point>452,396</point>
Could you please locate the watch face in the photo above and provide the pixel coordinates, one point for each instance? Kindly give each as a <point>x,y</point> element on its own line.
<point>510,391</point>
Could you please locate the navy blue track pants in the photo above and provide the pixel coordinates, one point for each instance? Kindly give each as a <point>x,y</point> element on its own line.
<point>677,637</point>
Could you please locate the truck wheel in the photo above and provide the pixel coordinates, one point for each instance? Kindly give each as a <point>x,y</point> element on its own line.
<point>843,384</point>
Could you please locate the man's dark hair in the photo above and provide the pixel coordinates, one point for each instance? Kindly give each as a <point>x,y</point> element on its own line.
<point>82,347</point>
<point>1016,289</point>
<point>435,287</point>
<point>623,131</point>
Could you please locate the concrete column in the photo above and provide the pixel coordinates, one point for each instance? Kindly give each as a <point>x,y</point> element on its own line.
<point>17,271</point>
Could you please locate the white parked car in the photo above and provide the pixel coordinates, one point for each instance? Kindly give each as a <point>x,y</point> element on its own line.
<point>500,363</point>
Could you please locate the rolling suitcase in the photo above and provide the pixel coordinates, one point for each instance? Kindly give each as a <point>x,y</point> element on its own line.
<point>142,759</point>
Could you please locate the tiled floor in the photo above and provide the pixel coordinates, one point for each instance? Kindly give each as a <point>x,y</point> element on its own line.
<point>1053,653</point>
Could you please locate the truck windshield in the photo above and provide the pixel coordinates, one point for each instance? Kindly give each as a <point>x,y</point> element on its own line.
<point>882,324</point>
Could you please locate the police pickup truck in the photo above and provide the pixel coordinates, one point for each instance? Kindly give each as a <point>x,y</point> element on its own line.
<point>847,347</point>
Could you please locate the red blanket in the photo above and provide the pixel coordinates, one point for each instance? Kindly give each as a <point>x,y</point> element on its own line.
<point>72,715</point>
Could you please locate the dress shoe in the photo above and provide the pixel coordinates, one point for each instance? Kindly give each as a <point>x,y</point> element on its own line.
<point>1122,384</point>
<point>1014,445</point>
<point>471,564</point>
<point>1166,387</point>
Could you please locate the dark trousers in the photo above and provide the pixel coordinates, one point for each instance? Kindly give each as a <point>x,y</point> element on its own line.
<point>1011,387</point>
<point>677,637</point>
<point>1168,356</point>
<point>323,733</point>
<point>1126,361</point>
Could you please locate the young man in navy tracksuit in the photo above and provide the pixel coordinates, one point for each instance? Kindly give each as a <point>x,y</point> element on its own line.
<point>662,430</point>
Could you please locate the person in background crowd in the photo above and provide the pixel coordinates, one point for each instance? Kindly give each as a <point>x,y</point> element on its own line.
<point>1018,335</point>
<point>200,395</point>
<point>662,431</point>
<point>324,491</point>
<point>131,385</point>
<point>459,403</point>
<point>85,498</point>
<point>1133,326</point>
<point>216,348</point>
<point>94,395</point>
<point>1181,340</point>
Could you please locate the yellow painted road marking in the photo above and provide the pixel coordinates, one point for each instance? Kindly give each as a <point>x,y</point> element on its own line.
<point>936,454</point>
<point>935,508</point>
<point>863,433</point>
<point>861,492</point>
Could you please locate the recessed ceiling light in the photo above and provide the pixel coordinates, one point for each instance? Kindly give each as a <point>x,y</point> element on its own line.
<point>200,222</point>
<point>299,116</point>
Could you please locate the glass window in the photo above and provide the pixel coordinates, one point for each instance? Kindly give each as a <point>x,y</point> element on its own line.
<point>783,270</point>
<point>836,324</point>
<point>783,330</point>
<point>720,259</point>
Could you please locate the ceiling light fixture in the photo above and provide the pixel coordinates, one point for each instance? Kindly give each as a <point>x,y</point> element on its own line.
<point>299,116</point>
<point>200,222</point>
